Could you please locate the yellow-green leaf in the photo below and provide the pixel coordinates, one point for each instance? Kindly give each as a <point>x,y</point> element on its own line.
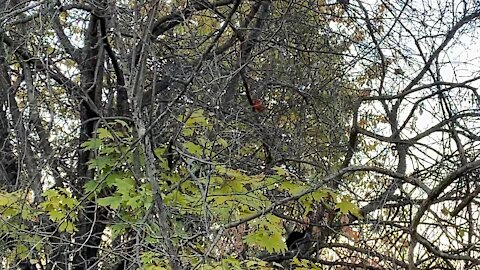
<point>347,207</point>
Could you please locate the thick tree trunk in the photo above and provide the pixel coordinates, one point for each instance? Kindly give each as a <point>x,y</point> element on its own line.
<point>8,161</point>
<point>92,220</point>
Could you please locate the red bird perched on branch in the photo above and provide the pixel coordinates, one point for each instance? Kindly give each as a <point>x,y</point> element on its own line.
<point>257,105</point>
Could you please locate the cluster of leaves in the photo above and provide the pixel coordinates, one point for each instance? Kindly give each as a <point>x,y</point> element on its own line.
<point>19,215</point>
<point>232,178</point>
<point>61,208</point>
<point>15,212</point>
<point>194,189</point>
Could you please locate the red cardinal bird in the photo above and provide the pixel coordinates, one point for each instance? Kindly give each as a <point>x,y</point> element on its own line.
<point>257,105</point>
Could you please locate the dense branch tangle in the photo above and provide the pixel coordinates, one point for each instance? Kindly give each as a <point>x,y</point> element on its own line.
<point>132,135</point>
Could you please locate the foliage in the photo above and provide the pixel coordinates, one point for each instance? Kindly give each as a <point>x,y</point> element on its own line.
<point>201,134</point>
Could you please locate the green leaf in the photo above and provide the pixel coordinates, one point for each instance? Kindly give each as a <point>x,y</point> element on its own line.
<point>90,186</point>
<point>104,133</point>
<point>272,242</point>
<point>125,186</point>
<point>347,207</point>
<point>293,188</point>
<point>196,118</point>
<point>160,151</point>
<point>67,226</point>
<point>118,229</point>
<point>108,150</point>
<point>70,202</point>
<point>275,243</point>
<point>232,263</point>
<point>254,238</point>
<point>27,214</point>
<point>222,142</point>
<point>322,194</point>
<point>193,148</point>
<point>112,201</point>
<point>10,212</point>
<point>56,215</point>
<point>100,163</point>
<point>280,171</point>
<point>187,132</point>
<point>21,251</point>
<point>50,193</point>
<point>134,202</point>
<point>7,199</point>
<point>268,235</point>
<point>112,179</point>
<point>92,144</point>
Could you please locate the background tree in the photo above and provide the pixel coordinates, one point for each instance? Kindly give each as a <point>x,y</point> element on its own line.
<point>202,134</point>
